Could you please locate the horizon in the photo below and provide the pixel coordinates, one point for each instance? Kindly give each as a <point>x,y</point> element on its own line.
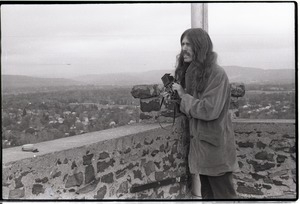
<point>129,72</point>
<point>123,38</point>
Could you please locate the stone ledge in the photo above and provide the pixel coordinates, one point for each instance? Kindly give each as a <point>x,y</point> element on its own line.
<point>15,153</point>
<point>240,120</point>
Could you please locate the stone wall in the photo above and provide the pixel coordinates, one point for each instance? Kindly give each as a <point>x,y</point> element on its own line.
<point>92,167</point>
<point>154,108</point>
<point>267,159</point>
<point>98,165</point>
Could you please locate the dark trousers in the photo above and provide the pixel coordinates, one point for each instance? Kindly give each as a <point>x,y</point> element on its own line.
<point>217,187</point>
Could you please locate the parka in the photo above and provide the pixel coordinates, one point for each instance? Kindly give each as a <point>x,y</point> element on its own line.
<point>212,149</point>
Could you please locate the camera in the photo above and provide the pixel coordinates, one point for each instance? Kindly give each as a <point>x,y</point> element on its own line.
<point>168,80</point>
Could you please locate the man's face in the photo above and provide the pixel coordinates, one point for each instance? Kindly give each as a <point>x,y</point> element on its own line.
<point>187,50</point>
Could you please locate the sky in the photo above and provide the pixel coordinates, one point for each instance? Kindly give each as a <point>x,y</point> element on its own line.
<point>72,40</point>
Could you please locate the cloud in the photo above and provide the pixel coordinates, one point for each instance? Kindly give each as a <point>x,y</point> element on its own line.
<point>100,38</point>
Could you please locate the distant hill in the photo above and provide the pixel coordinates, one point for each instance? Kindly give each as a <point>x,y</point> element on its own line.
<point>255,75</point>
<point>20,81</point>
<point>235,74</point>
<point>132,78</point>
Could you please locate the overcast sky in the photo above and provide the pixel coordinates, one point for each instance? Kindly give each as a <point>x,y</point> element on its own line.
<point>71,40</point>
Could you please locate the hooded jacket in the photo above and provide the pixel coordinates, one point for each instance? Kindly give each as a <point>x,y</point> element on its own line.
<point>212,144</point>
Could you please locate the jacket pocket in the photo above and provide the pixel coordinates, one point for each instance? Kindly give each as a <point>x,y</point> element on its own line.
<point>210,132</point>
<point>204,154</point>
<point>211,139</point>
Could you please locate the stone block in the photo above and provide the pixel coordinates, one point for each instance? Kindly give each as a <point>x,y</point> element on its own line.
<point>108,178</point>
<point>103,155</point>
<point>128,150</point>
<point>55,174</point>
<point>44,180</point>
<point>18,182</point>
<point>5,184</point>
<point>137,174</point>
<point>166,167</point>
<point>174,189</point>
<point>90,187</point>
<point>157,164</point>
<point>74,180</point>
<point>149,167</point>
<point>65,161</point>
<point>249,190</point>
<point>246,144</point>
<point>103,165</point>
<point>279,144</point>
<point>16,193</point>
<point>278,183</point>
<point>234,103</point>
<point>257,176</point>
<point>261,167</point>
<point>261,145</point>
<point>147,116</point>
<point>148,141</point>
<point>87,159</point>
<point>281,158</point>
<point>138,146</point>
<point>123,188</point>
<point>290,150</point>
<point>174,148</point>
<point>268,180</point>
<point>279,173</point>
<point>160,175</point>
<point>58,162</point>
<point>237,89</point>
<point>101,193</point>
<point>263,155</point>
<point>120,173</point>
<point>146,91</point>
<point>89,174</point>
<point>74,165</point>
<point>37,189</point>
<point>155,152</point>
<point>160,195</point>
<point>150,104</point>
<point>268,187</point>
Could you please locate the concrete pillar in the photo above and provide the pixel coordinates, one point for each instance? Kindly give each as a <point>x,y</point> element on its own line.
<point>199,16</point>
<point>199,19</point>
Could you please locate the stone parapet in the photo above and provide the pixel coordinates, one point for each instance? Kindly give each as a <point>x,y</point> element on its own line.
<point>266,154</point>
<point>152,106</point>
<point>146,91</point>
<point>237,89</point>
<point>99,165</point>
<point>107,164</point>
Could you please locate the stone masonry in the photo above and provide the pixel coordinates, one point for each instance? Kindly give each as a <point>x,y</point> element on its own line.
<point>107,169</point>
<point>151,98</point>
<point>267,159</point>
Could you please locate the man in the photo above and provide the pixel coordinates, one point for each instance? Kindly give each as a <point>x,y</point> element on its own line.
<point>204,90</point>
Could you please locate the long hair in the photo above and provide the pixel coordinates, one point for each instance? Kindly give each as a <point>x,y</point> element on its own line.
<point>204,58</point>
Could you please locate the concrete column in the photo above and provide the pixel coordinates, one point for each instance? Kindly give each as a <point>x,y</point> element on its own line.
<point>199,16</point>
<point>199,19</point>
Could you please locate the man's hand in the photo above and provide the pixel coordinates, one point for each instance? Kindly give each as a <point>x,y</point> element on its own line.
<point>179,89</point>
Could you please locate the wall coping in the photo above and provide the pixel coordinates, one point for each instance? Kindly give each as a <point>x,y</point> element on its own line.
<point>240,120</point>
<point>15,153</point>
